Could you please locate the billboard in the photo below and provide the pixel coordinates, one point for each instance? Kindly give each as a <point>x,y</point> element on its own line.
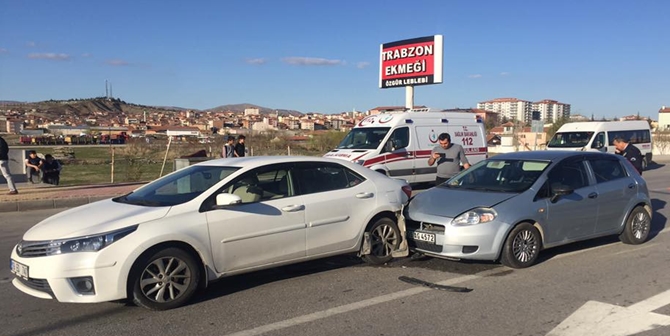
<point>416,61</point>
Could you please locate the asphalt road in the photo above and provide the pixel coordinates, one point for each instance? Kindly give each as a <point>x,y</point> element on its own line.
<point>625,286</point>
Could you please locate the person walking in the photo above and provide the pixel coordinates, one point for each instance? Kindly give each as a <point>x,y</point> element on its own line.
<point>449,157</point>
<point>4,166</point>
<point>240,151</point>
<point>629,151</point>
<point>228,149</point>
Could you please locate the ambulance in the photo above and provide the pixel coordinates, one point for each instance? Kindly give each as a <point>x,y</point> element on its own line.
<point>399,144</point>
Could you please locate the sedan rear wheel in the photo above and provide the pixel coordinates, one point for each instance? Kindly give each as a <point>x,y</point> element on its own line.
<point>522,246</point>
<point>637,227</point>
<point>165,280</point>
<point>384,239</point>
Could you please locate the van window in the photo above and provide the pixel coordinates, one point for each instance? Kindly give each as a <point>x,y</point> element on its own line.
<point>400,138</point>
<point>633,136</point>
<point>570,139</point>
<point>364,138</point>
<point>599,141</point>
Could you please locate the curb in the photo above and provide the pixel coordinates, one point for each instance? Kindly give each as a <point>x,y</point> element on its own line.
<point>57,203</point>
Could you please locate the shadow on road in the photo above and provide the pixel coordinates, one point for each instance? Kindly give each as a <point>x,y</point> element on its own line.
<point>653,165</point>
<point>658,220</point>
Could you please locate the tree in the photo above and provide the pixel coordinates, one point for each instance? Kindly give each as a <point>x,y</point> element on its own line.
<point>556,126</point>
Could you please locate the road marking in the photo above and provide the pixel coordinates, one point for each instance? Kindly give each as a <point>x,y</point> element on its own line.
<point>360,305</point>
<point>597,318</point>
<point>645,246</point>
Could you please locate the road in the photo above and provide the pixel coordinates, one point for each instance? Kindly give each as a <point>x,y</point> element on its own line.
<point>571,287</point>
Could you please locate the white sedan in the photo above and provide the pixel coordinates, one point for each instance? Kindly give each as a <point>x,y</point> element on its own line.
<point>160,243</point>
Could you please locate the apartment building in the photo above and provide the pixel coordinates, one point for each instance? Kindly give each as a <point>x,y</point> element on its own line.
<point>550,110</point>
<point>510,108</point>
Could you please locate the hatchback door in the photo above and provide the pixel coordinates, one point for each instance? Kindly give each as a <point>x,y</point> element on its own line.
<point>574,216</point>
<point>615,189</point>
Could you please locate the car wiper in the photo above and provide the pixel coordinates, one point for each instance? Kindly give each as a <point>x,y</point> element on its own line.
<point>145,203</point>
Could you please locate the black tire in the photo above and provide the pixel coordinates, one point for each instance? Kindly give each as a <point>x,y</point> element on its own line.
<point>168,288</point>
<point>638,225</point>
<point>384,239</point>
<point>521,247</point>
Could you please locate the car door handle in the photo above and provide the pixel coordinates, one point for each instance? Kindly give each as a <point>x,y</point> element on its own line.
<point>365,195</point>
<point>593,195</point>
<point>293,208</point>
<point>631,186</point>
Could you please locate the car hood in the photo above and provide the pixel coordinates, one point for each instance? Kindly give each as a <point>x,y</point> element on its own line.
<point>94,218</point>
<point>445,202</point>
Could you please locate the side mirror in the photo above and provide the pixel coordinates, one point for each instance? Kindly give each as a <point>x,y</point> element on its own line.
<point>223,200</point>
<point>560,190</point>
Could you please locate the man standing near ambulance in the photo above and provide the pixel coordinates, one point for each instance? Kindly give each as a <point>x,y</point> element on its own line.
<point>449,157</point>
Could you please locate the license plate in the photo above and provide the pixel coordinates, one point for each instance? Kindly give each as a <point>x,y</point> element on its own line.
<point>18,269</point>
<point>423,236</point>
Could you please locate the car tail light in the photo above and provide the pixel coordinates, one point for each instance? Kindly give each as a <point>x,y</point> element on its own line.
<point>407,189</point>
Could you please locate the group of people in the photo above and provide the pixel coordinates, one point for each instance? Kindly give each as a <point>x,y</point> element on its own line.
<point>450,156</point>
<point>47,170</point>
<point>232,149</point>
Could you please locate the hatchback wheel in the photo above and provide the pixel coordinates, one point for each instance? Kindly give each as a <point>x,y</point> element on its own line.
<point>165,280</point>
<point>384,239</point>
<point>521,247</point>
<point>638,225</point>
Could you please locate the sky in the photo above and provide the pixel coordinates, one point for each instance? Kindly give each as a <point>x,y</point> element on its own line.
<point>604,57</point>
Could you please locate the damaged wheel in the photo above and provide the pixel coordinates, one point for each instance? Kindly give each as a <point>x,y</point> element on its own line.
<point>384,239</point>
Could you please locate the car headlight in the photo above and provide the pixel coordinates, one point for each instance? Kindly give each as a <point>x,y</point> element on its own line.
<point>475,216</point>
<point>92,243</point>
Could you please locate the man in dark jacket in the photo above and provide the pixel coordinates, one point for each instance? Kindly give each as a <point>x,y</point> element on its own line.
<point>4,166</point>
<point>630,152</point>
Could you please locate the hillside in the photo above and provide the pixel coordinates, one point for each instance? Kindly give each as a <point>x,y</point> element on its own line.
<point>84,108</point>
<point>239,108</point>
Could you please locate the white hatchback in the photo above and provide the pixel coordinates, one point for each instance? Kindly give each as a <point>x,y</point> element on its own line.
<point>158,244</point>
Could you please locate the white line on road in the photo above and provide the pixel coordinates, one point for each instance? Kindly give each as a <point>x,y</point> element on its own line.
<point>645,246</point>
<point>359,305</point>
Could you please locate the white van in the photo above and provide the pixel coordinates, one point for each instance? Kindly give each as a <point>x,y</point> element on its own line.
<point>399,144</point>
<point>599,136</point>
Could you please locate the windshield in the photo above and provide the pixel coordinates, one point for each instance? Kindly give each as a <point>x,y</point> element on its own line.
<point>180,187</point>
<point>499,175</point>
<point>570,139</point>
<point>364,138</point>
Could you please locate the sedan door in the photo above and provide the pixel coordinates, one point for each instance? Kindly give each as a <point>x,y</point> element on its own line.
<point>574,216</point>
<point>267,227</point>
<point>338,202</point>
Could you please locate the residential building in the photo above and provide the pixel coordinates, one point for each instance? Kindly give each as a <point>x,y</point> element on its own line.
<point>509,108</point>
<point>550,110</point>
<point>664,119</point>
<point>251,111</point>
<point>483,114</point>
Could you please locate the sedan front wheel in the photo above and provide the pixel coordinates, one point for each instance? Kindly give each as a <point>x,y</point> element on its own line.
<point>165,280</point>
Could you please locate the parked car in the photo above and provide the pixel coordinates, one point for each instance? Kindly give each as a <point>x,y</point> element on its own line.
<point>161,242</point>
<point>513,205</point>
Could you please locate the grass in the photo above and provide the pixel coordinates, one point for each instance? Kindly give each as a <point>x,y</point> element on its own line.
<point>92,165</point>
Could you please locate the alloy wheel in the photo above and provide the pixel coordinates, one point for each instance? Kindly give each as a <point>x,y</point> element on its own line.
<point>165,279</point>
<point>641,224</point>
<point>525,246</point>
<point>384,240</point>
